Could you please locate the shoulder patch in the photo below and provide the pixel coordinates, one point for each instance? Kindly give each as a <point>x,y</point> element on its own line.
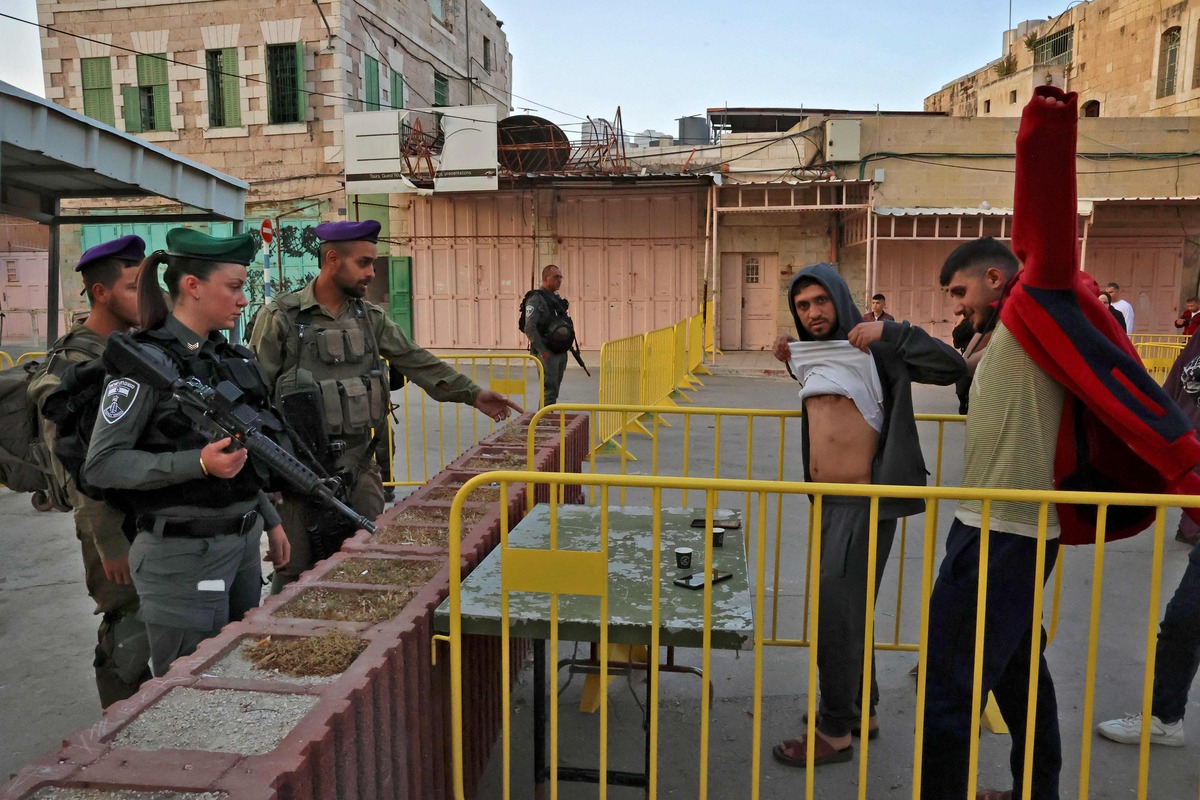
<point>118,399</point>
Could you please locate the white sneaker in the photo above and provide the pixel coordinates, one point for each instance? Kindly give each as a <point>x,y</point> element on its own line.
<point>1128,730</point>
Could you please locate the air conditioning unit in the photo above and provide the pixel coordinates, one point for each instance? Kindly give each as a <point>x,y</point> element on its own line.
<point>843,139</point>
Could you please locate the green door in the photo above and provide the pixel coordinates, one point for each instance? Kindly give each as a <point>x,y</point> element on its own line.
<point>400,288</point>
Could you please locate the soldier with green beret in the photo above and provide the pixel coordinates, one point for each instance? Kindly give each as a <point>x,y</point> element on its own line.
<point>323,349</point>
<point>199,508</point>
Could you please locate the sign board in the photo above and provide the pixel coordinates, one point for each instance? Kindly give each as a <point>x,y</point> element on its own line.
<point>268,232</point>
<point>374,141</point>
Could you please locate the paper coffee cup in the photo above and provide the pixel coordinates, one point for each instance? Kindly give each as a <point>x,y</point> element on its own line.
<point>683,557</point>
<point>718,537</point>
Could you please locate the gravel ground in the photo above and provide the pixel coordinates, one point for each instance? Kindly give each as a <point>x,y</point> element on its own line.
<point>235,666</point>
<point>53,793</point>
<point>222,720</point>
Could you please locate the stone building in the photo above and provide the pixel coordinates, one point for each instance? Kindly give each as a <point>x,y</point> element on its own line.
<point>258,89</point>
<point>1125,58</point>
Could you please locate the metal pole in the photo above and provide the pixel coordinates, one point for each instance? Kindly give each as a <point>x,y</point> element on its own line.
<point>52,289</point>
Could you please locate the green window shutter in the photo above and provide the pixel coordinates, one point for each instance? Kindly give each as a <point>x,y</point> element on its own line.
<point>441,90</point>
<point>162,109</point>
<point>301,100</point>
<point>98,104</point>
<point>133,109</point>
<point>97,73</point>
<point>152,70</point>
<point>231,87</point>
<point>397,97</point>
<point>370,84</point>
<point>400,292</point>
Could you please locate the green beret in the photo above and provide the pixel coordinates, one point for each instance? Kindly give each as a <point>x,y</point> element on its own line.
<point>238,249</point>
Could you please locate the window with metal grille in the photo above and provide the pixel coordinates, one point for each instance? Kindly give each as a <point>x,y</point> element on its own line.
<point>1091,108</point>
<point>97,89</point>
<point>370,84</point>
<point>224,97</point>
<point>148,105</point>
<point>1054,48</point>
<point>1168,62</point>
<point>441,89</point>
<point>751,269</point>
<point>13,276</point>
<point>285,83</point>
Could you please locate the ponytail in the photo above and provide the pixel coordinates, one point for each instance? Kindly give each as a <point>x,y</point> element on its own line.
<point>152,306</point>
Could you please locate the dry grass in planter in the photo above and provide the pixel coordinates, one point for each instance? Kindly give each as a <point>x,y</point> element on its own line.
<point>385,571</point>
<point>322,656</point>
<point>332,604</point>
<point>439,515</point>
<point>521,436</point>
<point>482,494</point>
<point>413,535</point>
<point>506,461</point>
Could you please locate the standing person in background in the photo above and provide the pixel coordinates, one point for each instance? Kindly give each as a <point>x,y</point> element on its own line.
<point>878,311</point>
<point>322,349</point>
<point>1107,300</point>
<point>122,663</point>
<point>1114,291</point>
<point>543,308</point>
<point>1190,320</point>
<point>200,508</point>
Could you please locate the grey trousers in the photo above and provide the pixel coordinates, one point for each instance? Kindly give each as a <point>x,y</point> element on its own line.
<point>841,622</point>
<point>555,367</point>
<point>191,588</point>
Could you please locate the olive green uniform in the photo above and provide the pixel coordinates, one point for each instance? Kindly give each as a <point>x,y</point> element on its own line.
<point>195,567</point>
<point>301,345</point>
<point>122,650</point>
<point>538,315</point>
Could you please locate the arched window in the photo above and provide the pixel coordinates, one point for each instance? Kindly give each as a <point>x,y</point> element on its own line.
<point>1091,108</point>
<point>1168,62</point>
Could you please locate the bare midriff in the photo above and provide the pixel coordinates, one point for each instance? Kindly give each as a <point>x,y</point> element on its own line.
<point>841,445</point>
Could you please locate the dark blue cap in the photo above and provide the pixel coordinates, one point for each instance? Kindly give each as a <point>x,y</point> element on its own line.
<point>128,248</point>
<point>365,231</point>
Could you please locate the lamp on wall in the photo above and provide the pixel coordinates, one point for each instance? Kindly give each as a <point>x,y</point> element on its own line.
<point>1049,79</point>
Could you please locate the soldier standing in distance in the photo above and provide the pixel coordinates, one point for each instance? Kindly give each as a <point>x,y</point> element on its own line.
<point>323,348</point>
<point>110,273</point>
<point>542,307</point>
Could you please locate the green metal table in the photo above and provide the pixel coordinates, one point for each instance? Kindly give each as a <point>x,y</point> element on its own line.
<point>681,615</point>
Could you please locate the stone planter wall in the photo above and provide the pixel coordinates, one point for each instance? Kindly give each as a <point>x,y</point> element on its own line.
<point>380,729</point>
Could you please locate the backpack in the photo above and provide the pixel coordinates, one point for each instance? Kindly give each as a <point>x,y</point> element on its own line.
<point>558,333</point>
<point>73,407</point>
<point>24,460</point>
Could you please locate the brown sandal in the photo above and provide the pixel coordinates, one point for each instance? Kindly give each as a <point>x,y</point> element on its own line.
<point>794,752</point>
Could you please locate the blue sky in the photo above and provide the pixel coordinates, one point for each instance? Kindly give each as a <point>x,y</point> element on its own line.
<point>660,61</point>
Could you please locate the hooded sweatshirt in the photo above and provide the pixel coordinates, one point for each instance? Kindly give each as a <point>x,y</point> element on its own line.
<point>903,355</point>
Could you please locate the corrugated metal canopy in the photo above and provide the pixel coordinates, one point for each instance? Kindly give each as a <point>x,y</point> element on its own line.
<point>926,211</point>
<point>49,153</point>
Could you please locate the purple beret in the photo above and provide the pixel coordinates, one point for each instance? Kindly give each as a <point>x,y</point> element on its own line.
<point>365,231</point>
<point>127,248</point>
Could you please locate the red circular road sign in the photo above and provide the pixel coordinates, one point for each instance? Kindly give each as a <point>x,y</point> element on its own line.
<point>268,232</point>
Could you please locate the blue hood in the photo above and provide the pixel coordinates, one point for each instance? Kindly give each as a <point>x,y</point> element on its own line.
<point>827,275</point>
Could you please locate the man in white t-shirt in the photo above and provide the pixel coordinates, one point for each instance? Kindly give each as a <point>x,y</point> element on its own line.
<point>1121,305</point>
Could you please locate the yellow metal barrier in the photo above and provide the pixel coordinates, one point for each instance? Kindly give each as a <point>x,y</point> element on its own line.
<point>710,328</point>
<point>32,356</point>
<point>695,348</point>
<point>1159,338</point>
<point>5,360</point>
<point>658,367</point>
<point>680,362</point>
<point>429,438</point>
<point>588,570</point>
<point>620,385</point>
<point>1158,358</point>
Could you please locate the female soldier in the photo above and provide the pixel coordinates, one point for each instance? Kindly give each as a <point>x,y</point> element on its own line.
<point>199,508</point>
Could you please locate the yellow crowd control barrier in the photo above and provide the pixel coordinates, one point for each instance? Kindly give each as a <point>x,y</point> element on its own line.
<point>1159,338</point>
<point>583,577</point>
<point>620,385</point>
<point>427,435</point>
<point>1158,357</point>
<point>710,330</point>
<point>5,360</point>
<point>658,367</point>
<point>695,348</point>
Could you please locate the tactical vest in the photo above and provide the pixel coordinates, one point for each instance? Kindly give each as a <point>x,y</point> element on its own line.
<point>170,431</point>
<point>341,359</point>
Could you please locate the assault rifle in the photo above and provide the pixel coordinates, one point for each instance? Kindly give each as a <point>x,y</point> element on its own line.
<point>578,356</point>
<point>221,412</point>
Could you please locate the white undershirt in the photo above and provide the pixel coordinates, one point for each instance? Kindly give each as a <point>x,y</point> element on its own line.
<point>839,368</point>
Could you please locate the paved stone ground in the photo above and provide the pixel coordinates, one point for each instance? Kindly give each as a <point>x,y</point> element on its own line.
<point>47,633</point>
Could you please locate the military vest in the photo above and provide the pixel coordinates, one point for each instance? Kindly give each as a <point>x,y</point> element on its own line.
<point>341,359</point>
<point>170,431</point>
